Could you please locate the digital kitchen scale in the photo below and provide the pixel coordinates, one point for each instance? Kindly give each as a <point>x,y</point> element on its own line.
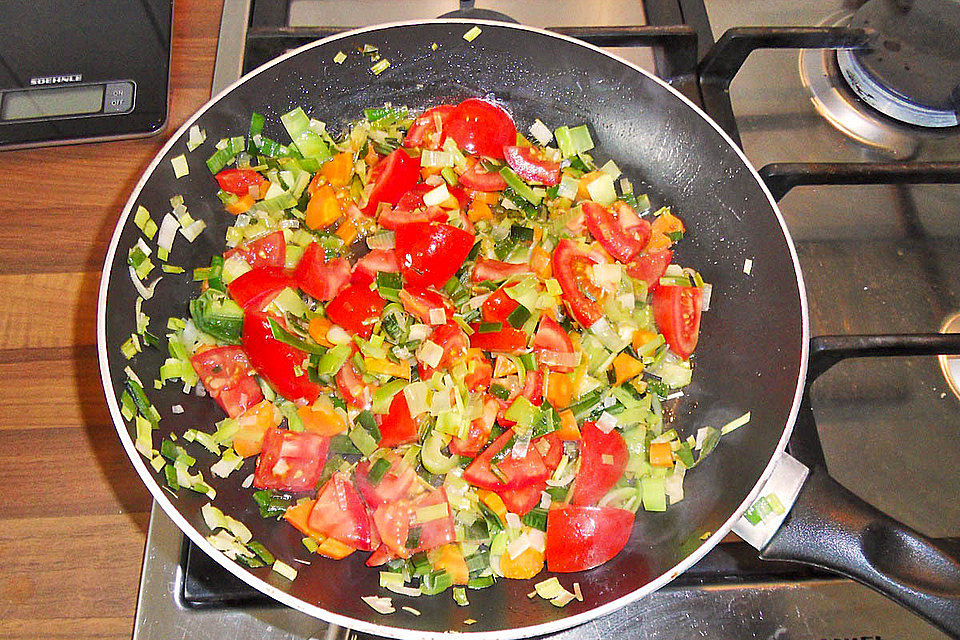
<point>82,71</point>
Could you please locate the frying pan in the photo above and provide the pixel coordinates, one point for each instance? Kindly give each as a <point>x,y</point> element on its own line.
<point>752,354</point>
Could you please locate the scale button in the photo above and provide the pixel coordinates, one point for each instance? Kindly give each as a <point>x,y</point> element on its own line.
<point>118,97</point>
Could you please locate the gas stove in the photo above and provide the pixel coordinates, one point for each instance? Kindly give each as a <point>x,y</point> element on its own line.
<point>868,181</point>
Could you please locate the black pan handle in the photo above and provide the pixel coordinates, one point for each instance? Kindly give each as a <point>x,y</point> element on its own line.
<point>831,528</point>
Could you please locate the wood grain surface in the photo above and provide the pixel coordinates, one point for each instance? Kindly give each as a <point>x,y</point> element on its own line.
<point>73,513</point>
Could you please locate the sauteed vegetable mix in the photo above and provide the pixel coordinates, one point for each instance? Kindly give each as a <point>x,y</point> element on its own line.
<point>443,342</point>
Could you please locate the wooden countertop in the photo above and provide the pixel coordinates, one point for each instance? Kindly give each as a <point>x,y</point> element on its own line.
<point>73,513</point>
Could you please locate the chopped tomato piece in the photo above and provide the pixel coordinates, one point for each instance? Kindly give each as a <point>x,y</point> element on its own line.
<point>506,340</point>
<point>430,253</point>
<point>426,130</point>
<point>278,363</point>
<point>650,266</point>
<point>378,260</point>
<point>390,178</point>
<point>513,472</point>
<point>339,513</point>
<point>404,534</point>
<point>424,304</point>
<point>356,308</point>
<point>411,208</point>
<point>477,178</point>
<point>481,128</point>
<point>498,306</point>
<point>676,311</point>
<point>290,460</point>
<point>352,387</point>
<point>520,500</point>
<point>398,426</point>
<point>394,485</point>
<point>227,376</point>
<point>581,296</point>
<point>530,164</point>
<point>268,251</point>
<point>608,229</point>
<point>479,370</point>
<point>239,181</point>
<point>321,278</point>
<point>257,287</point>
<point>603,457</point>
<point>479,432</point>
<point>496,270</point>
<point>553,346</point>
<point>580,538</point>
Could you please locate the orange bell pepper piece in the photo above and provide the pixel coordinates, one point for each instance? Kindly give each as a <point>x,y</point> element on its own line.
<point>241,205</point>
<point>541,262</point>
<point>494,503</point>
<point>347,231</point>
<point>569,430</point>
<point>338,170</point>
<point>660,454</point>
<point>524,566</point>
<point>451,558</point>
<point>323,209</point>
<point>559,389</point>
<point>318,329</point>
<point>254,422</point>
<point>626,367</point>
<point>299,514</point>
<point>479,211</point>
<point>321,418</point>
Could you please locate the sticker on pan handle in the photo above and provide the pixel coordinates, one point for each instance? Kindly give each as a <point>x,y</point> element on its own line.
<point>763,518</point>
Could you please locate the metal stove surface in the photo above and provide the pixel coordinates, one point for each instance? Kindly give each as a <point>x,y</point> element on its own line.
<point>876,259</point>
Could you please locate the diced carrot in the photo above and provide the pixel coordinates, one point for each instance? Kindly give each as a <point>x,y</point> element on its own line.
<point>663,224</point>
<point>334,549</point>
<point>486,197</point>
<point>479,211</point>
<point>540,262</point>
<point>321,418</point>
<point>494,503</point>
<point>451,558</point>
<point>586,179</point>
<point>318,329</point>
<point>323,209</point>
<point>626,367</point>
<point>426,172</point>
<point>338,170</point>
<point>642,337</point>
<point>569,430</point>
<point>660,454</point>
<point>387,367</point>
<point>254,423</point>
<point>347,231</point>
<point>559,389</point>
<point>240,205</point>
<point>526,565</point>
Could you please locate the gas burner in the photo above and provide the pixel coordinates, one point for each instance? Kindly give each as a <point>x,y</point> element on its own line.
<point>911,69</point>
<point>833,98</point>
<point>950,365</point>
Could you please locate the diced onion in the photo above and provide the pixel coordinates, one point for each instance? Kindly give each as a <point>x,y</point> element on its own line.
<point>438,315</point>
<point>383,240</point>
<point>380,604</point>
<point>541,132</point>
<point>538,539</point>
<point>430,353</point>
<point>180,167</point>
<point>168,231</point>
<point>606,422</point>
<point>437,195</point>
<point>285,570</point>
<point>195,138</point>
<point>416,395</point>
<point>430,158</point>
<point>607,276</point>
<point>420,331</point>
<point>707,292</point>
<point>337,335</point>
<point>513,520</point>
<point>518,546</point>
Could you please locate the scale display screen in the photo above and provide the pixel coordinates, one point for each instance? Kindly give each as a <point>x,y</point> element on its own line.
<point>49,103</point>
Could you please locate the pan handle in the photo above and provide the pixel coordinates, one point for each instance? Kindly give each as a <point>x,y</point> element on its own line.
<point>830,527</point>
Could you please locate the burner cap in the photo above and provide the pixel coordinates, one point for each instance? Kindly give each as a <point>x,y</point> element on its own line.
<point>911,71</point>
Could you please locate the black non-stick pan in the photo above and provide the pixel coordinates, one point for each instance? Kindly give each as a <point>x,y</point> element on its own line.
<point>752,354</point>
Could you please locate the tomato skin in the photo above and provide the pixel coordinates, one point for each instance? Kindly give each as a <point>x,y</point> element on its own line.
<point>522,500</point>
<point>676,311</point>
<point>411,208</point>
<point>398,426</point>
<point>650,267</point>
<point>529,164</point>
<point>480,127</point>
<point>507,340</point>
<point>378,260</point>
<point>340,513</point>
<point>580,538</point>
<point>476,178</point>
<point>394,520</point>
<point>257,287</point>
<point>423,132</point>
<point>419,302</point>
<point>550,336</point>
<point>596,477</point>
<point>290,460</point>
<point>570,268</point>
<point>496,270</point>
<point>228,377</point>
<point>391,177</point>
<point>317,276</point>
<point>268,251</point>
<point>607,228</point>
<point>356,308</point>
<point>239,181</point>
<point>430,253</point>
<point>395,484</point>
<point>276,361</point>
<point>451,338</point>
